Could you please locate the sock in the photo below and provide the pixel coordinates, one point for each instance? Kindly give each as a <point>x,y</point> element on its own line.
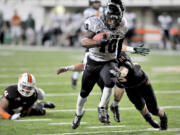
<point>75,75</point>
<point>105,96</point>
<point>115,103</point>
<point>80,104</point>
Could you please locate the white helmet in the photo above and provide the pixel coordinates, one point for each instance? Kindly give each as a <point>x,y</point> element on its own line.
<point>26,84</point>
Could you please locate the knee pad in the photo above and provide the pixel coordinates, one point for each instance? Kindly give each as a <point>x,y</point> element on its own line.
<point>109,83</point>
<point>84,94</point>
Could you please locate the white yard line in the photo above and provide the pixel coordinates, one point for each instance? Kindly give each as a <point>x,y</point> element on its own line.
<point>68,83</point>
<point>121,131</point>
<point>121,109</point>
<point>42,83</point>
<point>37,75</point>
<point>30,120</point>
<point>99,93</point>
<point>107,126</point>
<point>27,69</point>
<point>65,123</point>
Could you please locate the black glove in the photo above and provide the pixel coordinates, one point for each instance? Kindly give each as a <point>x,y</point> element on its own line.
<point>104,41</point>
<point>141,50</point>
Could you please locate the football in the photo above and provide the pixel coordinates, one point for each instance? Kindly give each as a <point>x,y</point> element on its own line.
<point>99,36</point>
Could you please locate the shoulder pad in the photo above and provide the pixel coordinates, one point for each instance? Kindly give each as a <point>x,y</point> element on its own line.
<point>10,92</point>
<point>94,24</point>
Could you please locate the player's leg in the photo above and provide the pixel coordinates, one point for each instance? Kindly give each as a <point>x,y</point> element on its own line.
<point>118,94</point>
<point>75,79</point>
<point>151,102</point>
<point>36,109</point>
<point>90,77</point>
<point>109,82</point>
<point>135,97</point>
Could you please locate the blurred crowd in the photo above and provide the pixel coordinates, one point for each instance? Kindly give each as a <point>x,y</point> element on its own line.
<point>61,30</point>
<point>66,30</point>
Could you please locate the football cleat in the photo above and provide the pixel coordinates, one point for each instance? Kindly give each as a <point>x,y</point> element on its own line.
<point>77,120</point>
<point>61,70</point>
<point>74,83</point>
<point>115,111</point>
<point>103,116</point>
<point>47,104</point>
<point>151,121</point>
<point>154,124</point>
<point>164,122</point>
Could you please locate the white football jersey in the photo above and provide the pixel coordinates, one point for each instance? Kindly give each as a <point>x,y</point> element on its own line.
<point>165,22</point>
<point>92,12</point>
<point>109,52</point>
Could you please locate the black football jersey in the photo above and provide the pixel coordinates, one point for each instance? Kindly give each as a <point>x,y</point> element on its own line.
<point>135,76</point>
<point>17,102</point>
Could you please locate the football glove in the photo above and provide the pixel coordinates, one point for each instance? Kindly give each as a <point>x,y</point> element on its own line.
<point>104,41</point>
<point>15,116</point>
<point>141,50</point>
<point>115,71</point>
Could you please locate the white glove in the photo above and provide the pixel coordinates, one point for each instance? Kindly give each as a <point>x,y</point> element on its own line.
<point>15,116</point>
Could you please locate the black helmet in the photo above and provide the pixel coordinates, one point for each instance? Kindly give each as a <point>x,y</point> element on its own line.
<point>112,12</point>
<point>118,2</point>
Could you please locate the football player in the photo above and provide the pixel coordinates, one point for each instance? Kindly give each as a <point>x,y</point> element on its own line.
<point>20,100</point>
<point>139,90</point>
<point>95,9</point>
<point>102,55</point>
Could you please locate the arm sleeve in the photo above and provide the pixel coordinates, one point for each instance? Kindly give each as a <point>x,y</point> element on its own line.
<point>40,93</point>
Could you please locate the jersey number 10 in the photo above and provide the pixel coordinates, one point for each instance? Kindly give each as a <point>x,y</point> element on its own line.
<point>111,47</point>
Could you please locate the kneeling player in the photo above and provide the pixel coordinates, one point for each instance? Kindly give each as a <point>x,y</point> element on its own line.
<point>139,91</point>
<point>20,100</point>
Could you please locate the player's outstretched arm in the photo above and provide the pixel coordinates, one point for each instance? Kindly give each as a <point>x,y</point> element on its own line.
<point>138,50</point>
<point>76,67</point>
<point>4,104</point>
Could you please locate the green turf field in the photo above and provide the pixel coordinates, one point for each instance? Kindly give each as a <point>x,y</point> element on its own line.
<point>163,70</point>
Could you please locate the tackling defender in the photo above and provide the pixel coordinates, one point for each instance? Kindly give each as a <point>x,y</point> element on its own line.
<point>20,100</point>
<point>139,90</point>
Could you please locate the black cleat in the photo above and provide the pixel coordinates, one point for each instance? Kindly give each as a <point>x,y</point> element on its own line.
<point>115,111</point>
<point>74,83</point>
<point>47,104</point>
<point>108,120</point>
<point>151,121</point>
<point>154,124</point>
<point>103,116</point>
<point>77,120</point>
<point>164,122</point>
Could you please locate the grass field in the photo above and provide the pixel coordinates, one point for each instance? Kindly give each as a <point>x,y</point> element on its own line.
<point>163,69</point>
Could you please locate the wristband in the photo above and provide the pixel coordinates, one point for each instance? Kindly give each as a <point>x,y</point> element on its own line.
<point>5,115</point>
<point>130,49</point>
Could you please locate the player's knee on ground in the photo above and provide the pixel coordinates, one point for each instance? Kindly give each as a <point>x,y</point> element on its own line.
<point>37,109</point>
